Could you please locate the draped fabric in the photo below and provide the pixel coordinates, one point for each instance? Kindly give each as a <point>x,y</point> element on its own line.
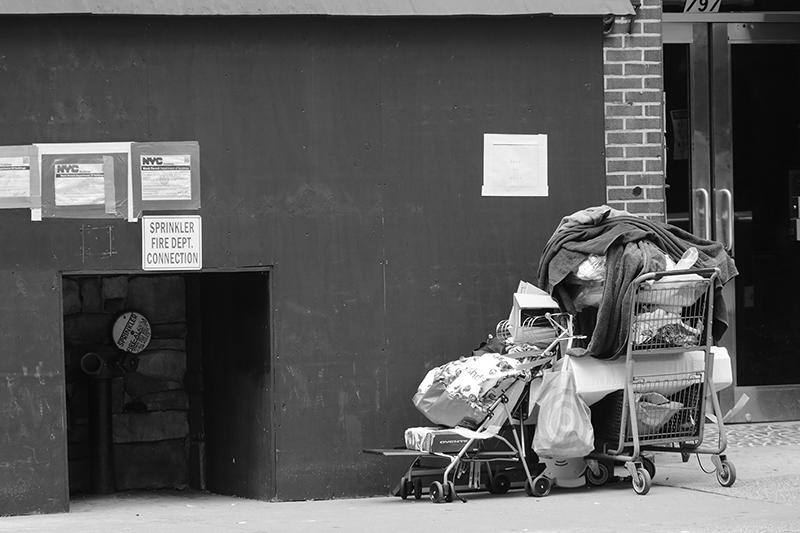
<point>632,246</point>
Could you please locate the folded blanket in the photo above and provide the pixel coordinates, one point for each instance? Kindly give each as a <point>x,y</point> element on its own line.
<point>632,247</point>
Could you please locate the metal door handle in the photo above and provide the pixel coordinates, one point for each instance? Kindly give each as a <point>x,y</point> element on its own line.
<point>725,219</point>
<point>704,213</point>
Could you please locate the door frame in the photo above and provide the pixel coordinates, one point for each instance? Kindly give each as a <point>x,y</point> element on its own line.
<point>710,38</point>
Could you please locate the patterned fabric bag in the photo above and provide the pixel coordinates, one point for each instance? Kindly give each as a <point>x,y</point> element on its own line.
<point>460,392</point>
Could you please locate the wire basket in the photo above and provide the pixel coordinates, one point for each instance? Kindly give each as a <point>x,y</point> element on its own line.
<point>660,399</point>
<point>669,314</point>
<point>675,416</point>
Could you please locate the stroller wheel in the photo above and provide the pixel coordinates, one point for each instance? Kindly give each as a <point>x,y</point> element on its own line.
<point>600,477</point>
<point>437,492</point>
<point>528,488</point>
<point>418,489</point>
<point>500,484</point>
<point>541,487</point>
<point>449,492</point>
<point>403,488</point>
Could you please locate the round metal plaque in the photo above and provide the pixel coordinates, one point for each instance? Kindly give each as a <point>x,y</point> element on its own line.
<point>131,332</point>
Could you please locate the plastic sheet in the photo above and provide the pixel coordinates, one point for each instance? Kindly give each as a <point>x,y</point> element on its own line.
<point>88,180</point>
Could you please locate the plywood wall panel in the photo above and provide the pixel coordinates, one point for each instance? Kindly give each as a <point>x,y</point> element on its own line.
<point>33,436</point>
<point>347,153</point>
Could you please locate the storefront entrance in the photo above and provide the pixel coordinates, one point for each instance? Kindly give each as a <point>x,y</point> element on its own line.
<point>733,175</point>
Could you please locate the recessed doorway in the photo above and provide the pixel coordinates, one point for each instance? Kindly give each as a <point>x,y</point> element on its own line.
<point>193,409</point>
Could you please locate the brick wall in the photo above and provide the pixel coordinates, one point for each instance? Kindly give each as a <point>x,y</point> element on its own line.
<point>634,91</point>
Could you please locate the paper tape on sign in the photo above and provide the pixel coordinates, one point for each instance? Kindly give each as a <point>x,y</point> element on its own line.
<point>131,332</point>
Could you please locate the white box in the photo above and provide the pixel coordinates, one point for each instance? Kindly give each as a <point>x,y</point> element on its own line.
<point>530,303</point>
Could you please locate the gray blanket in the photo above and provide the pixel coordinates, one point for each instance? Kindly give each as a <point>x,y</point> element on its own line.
<point>632,246</point>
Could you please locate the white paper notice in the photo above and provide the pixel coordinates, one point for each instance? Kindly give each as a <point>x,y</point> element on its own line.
<point>514,165</point>
<point>166,177</point>
<point>80,184</point>
<point>15,177</point>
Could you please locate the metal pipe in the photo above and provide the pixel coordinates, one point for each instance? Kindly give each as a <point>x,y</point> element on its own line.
<point>101,468</point>
<point>100,442</point>
<point>92,363</point>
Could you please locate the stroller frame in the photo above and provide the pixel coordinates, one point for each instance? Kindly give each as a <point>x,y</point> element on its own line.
<point>499,415</point>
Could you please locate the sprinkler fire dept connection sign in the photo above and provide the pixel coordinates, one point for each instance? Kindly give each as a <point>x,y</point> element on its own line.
<point>172,243</point>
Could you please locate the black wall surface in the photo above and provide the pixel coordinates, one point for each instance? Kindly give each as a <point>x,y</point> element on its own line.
<point>344,152</point>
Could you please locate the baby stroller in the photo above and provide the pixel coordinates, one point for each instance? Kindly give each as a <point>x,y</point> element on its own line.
<point>478,403</point>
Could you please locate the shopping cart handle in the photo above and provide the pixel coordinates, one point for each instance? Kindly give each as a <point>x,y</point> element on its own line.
<point>702,272</point>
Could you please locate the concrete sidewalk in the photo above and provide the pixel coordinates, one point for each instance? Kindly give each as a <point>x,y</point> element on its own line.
<point>765,498</point>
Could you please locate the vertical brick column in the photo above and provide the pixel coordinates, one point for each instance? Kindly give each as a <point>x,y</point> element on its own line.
<point>634,92</point>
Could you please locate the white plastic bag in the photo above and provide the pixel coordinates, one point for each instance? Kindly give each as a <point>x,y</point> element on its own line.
<point>564,423</point>
<point>593,268</point>
<point>653,410</point>
<point>673,292</point>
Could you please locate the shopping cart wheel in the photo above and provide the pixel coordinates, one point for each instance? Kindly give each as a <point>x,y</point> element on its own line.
<point>500,484</point>
<point>449,492</point>
<point>541,487</point>
<point>437,492</point>
<point>600,477</point>
<point>726,473</point>
<point>418,489</point>
<point>650,466</point>
<point>641,481</point>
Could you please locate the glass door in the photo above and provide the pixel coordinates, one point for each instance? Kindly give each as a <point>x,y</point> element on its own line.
<point>733,175</point>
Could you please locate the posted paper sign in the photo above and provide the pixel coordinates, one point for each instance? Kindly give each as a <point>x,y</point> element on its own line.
<point>166,177</point>
<point>15,177</point>
<point>80,183</point>
<point>172,243</point>
<point>514,165</point>
<point>19,171</point>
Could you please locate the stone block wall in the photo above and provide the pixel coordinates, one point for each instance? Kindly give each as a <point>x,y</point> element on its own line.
<point>152,437</point>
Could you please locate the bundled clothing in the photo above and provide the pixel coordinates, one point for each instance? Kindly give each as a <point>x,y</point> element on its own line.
<point>632,246</point>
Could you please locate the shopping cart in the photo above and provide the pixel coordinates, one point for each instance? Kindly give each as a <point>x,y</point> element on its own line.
<point>669,312</point>
<point>491,454</point>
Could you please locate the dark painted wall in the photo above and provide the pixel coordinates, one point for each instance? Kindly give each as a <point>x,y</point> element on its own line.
<point>345,152</point>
